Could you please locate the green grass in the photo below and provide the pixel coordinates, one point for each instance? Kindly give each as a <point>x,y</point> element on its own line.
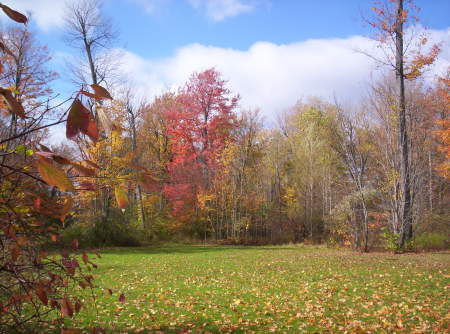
<point>281,289</point>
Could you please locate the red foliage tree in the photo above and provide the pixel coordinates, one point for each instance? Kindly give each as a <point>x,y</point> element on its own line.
<point>199,125</point>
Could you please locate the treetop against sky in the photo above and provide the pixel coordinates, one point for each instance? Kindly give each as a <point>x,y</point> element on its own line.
<point>272,52</point>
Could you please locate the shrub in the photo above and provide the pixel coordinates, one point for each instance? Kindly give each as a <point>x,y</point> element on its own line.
<point>432,241</point>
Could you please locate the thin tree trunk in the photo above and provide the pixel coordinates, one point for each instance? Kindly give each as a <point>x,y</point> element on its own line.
<point>405,182</point>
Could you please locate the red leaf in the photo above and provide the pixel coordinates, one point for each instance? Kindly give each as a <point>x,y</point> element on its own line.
<point>14,15</point>
<point>54,237</point>
<point>37,204</point>
<point>122,298</point>
<point>77,120</point>
<point>92,130</point>
<point>75,244</point>
<point>101,92</point>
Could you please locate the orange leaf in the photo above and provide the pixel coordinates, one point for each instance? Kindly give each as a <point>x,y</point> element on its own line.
<point>54,176</point>
<point>121,198</point>
<point>14,15</point>
<point>101,92</point>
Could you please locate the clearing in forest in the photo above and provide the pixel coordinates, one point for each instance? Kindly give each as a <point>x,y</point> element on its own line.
<point>281,289</point>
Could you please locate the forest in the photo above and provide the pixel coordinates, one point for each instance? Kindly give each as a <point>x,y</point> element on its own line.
<point>192,168</point>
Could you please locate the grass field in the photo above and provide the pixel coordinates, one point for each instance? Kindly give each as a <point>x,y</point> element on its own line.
<point>280,289</point>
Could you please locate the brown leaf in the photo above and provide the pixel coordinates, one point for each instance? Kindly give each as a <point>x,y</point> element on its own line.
<point>68,203</point>
<point>42,294</point>
<point>66,307</point>
<point>85,258</point>
<point>54,176</point>
<point>98,330</point>
<point>85,185</point>
<point>13,105</point>
<point>77,120</point>
<point>101,92</point>
<point>121,197</point>
<point>92,164</point>
<point>70,331</point>
<point>77,306</point>
<point>15,252</point>
<point>44,148</point>
<point>5,49</point>
<point>88,94</point>
<point>84,170</point>
<point>122,298</point>
<point>14,15</point>
<point>75,244</point>
<point>50,155</point>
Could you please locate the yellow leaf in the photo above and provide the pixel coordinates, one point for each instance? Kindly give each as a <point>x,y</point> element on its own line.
<point>121,197</point>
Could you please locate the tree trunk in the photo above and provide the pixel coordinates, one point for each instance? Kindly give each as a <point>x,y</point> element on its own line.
<point>405,182</point>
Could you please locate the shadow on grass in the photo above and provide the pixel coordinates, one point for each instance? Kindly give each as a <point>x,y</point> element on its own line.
<point>198,326</point>
<point>187,249</point>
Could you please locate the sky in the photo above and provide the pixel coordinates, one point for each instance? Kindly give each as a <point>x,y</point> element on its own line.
<point>272,52</point>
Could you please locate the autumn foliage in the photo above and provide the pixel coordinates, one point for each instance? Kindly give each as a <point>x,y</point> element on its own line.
<point>199,124</point>
<point>193,164</point>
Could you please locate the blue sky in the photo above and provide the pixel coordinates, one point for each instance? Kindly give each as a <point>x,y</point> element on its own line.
<point>273,52</point>
<point>154,28</point>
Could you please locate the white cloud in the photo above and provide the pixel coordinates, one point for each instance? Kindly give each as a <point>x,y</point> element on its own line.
<point>219,10</point>
<point>46,13</point>
<point>271,76</point>
<point>150,6</point>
